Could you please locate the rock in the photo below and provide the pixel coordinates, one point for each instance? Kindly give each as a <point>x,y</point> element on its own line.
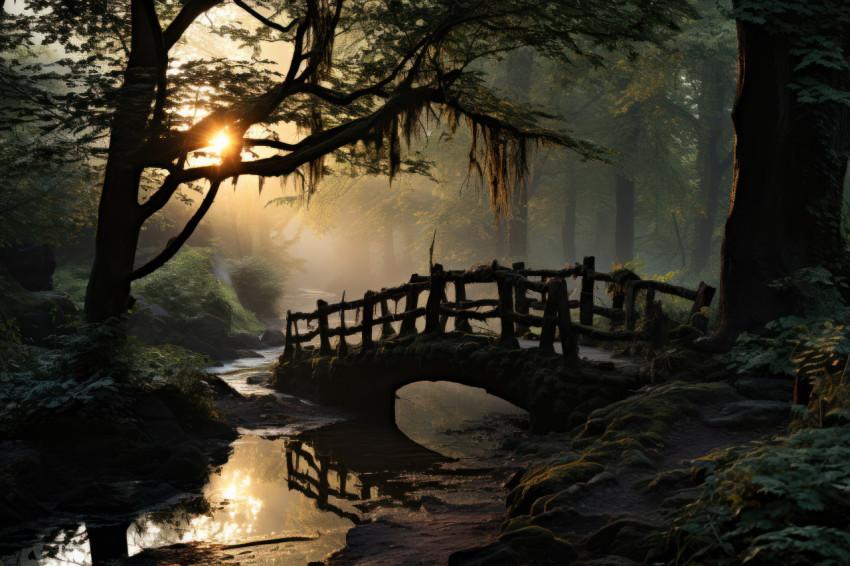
<point>771,388</point>
<point>747,414</point>
<point>631,538</point>
<point>670,479</point>
<point>31,265</point>
<point>245,341</point>
<point>273,338</point>
<point>159,312</point>
<point>258,378</point>
<point>45,314</point>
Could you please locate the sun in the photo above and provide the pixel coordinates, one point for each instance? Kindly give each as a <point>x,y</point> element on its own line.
<point>220,142</point>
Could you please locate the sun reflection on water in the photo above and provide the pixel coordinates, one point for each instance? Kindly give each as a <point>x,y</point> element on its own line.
<point>249,500</point>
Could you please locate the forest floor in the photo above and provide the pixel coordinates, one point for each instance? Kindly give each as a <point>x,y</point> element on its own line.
<point>610,492</point>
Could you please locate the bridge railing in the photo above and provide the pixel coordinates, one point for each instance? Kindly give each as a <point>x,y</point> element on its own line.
<point>512,307</point>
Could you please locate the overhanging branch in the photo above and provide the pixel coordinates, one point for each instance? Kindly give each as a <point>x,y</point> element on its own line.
<point>174,244</point>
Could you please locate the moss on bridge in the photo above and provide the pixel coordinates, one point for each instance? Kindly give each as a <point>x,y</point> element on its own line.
<point>556,396</point>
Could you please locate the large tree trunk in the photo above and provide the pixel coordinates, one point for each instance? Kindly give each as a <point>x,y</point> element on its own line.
<point>118,227</point>
<point>624,229</point>
<point>709,159</point>
<point>785,211</point>
<point>120,217</point>
<point>568,228</point>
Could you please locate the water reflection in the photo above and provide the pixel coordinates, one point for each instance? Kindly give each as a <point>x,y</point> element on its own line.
<point>456,420</point>
<point>291,500</point>
<point>250,500</point>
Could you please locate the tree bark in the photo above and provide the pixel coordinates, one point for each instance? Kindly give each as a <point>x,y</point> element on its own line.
<point>119,214</point>
<point>624,230</point>
<point>785,211</point>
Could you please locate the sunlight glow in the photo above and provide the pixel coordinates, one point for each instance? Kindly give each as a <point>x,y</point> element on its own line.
<point>220,142</point>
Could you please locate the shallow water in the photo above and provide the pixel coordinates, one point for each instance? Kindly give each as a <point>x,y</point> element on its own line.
<point>410,495</point>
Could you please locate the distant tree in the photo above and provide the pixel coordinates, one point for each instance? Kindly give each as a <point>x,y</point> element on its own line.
<point>356,77</point>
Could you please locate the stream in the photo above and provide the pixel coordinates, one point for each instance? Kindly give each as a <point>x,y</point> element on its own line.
<point>297,493</point>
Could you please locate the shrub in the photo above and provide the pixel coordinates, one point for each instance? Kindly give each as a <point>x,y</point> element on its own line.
<point>258,283</point>
<point>786,504</point>
<point>187,288</point>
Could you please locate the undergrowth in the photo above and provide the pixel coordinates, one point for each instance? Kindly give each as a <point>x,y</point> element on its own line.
<point>187,288</point>
<point>788,503</point>
<point>95,377</point>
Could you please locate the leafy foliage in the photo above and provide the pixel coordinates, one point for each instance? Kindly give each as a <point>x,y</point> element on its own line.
<point>258,283</point>
<point>786,341</point>
<point>817,33</point>
<point>187,288</point>
<point>75,383</point>
<point>785,504</point>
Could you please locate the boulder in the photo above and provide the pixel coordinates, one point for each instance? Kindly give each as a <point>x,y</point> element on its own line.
<point>748,414</point>
<point>31,265</point>
<point>273,338</point>
<point>46,314</point>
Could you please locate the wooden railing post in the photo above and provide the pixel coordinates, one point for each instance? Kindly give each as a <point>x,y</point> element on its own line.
<point>520,300</point>
<point>704,295</point>
<point>569,339</point>
<point>557,313</point>
<point>368,312</point>
<point>659,325</point>
<point>435,296</point>
<point>296,338</point>
<point>461,321</point>
<point>288,347</point>
<point>506,307</point>
<point>324,338</point>
<point>408,323</point>
<point>585,316</point>
<point>631,291</point>
<point>648,304</point>
<point>387,331</point>
<point>342,347</point>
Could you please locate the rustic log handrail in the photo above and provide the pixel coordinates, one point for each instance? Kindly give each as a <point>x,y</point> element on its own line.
<point>512,307</point>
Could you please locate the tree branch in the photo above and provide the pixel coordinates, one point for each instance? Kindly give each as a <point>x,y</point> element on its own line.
<point>188,14</point>
<point>253,142</point>
<point>174,244</point>
<point>267,22</point>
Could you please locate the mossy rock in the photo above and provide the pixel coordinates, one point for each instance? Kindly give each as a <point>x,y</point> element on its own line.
<point>546,481</point>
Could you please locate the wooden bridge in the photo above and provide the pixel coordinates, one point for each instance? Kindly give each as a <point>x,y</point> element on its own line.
<point>513,308</point>
<point>558,395</point>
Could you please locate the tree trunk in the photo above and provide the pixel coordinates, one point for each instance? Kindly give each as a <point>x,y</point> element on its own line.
<point>108,291</point>
<point>568,228</point>
<point>518,226</point>
<point>712,104</point>
<point>120,217</point>
<point>624,230</point>
<point>785,211</point>
<point>501,239</point>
